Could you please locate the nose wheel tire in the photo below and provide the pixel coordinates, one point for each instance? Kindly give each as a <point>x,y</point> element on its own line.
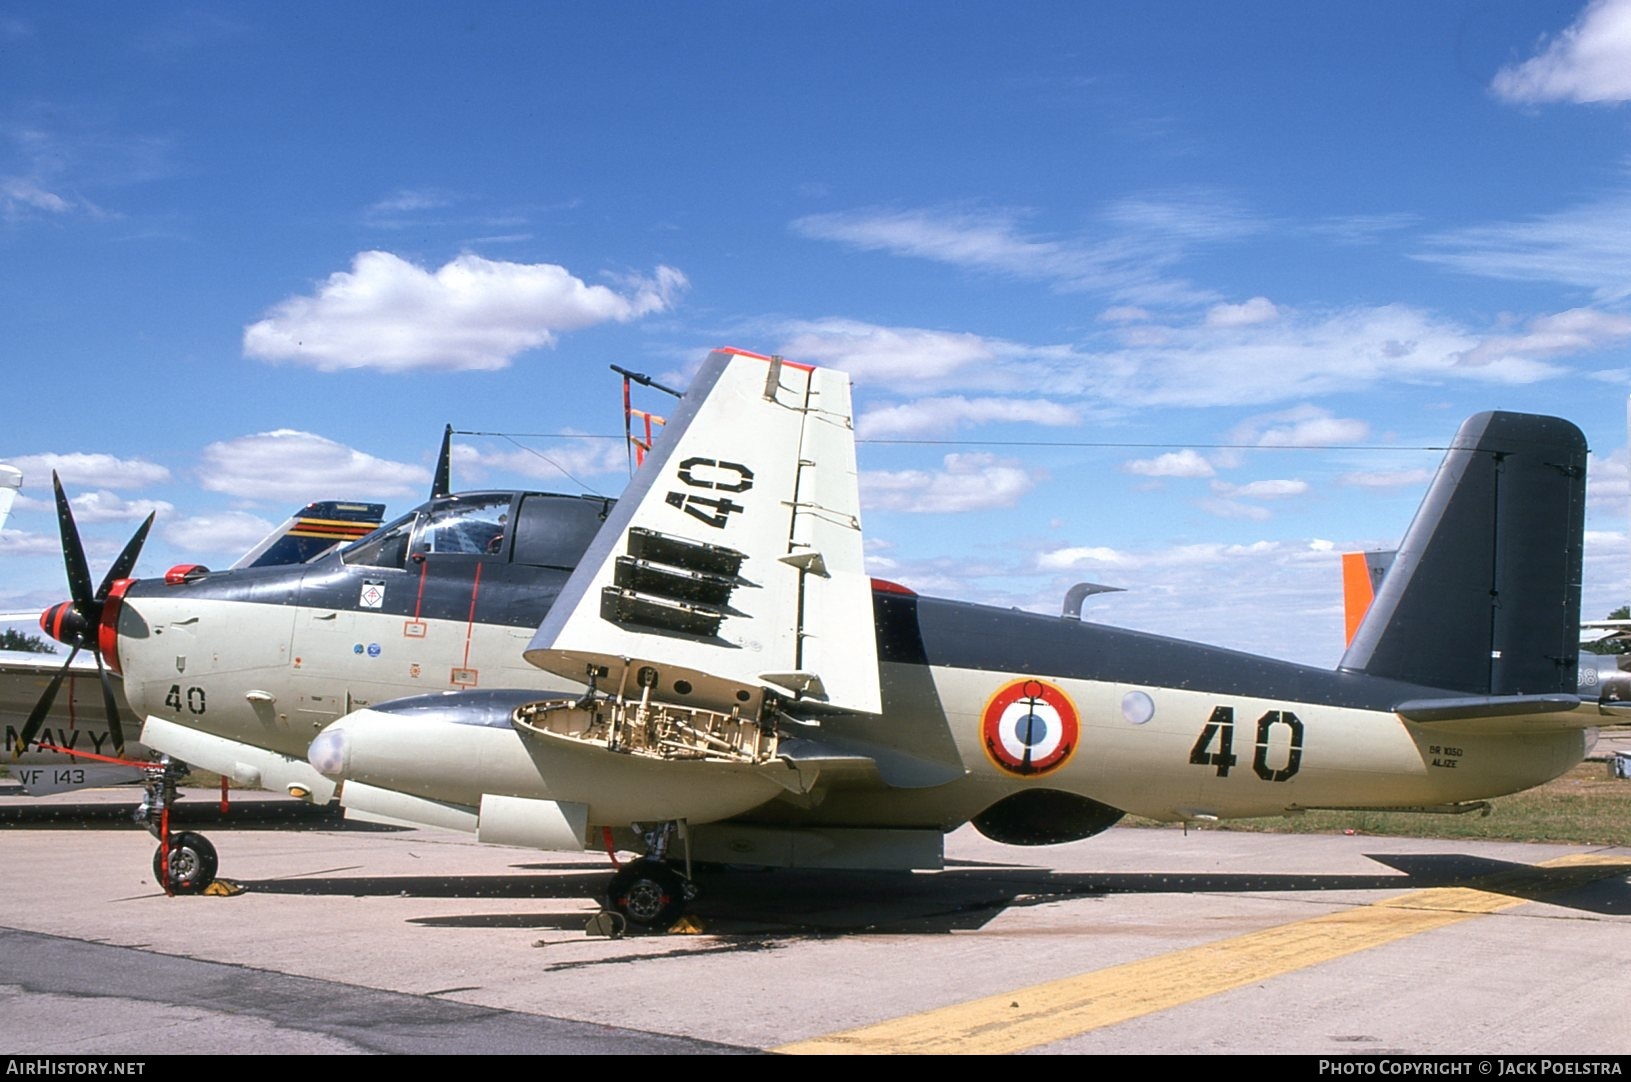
<point>192,863</point>
<point>648,893</point>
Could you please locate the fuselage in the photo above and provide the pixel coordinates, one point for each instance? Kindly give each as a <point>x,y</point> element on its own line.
<point>979,703</point>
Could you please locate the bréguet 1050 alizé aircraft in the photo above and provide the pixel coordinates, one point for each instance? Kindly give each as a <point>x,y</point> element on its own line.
<point>733,688</point>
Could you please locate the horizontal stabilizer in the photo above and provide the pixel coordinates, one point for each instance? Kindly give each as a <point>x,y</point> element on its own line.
<point>1484,706</point>
<point>1503,713</point>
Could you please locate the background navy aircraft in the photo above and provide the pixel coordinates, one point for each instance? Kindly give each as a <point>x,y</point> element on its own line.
<point>732,681</point>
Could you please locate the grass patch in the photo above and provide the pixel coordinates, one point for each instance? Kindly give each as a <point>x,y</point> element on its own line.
<point>1583,807</point>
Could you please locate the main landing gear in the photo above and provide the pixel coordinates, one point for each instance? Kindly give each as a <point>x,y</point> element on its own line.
<point>650,892</point>
<point>184,862</point>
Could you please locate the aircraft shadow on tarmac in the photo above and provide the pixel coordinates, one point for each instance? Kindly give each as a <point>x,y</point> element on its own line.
<point>197,812</point>
<point>965,896</point>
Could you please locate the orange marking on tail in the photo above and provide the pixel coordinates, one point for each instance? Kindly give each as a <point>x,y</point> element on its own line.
<point>1356,591</point>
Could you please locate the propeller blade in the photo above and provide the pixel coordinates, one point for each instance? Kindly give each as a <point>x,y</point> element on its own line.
<point>36,717</point>
<point>116,728</point>
<point>73,552</point>
<point>127,559</point>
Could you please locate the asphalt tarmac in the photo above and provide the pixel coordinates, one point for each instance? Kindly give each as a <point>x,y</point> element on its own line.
<point>351,940</point>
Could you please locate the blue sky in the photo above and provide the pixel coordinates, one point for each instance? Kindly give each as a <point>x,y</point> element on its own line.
<point>1168,296</point>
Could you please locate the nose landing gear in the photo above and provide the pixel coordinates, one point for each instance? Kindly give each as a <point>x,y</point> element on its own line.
<point>187,866</point>
<point>184,862</point>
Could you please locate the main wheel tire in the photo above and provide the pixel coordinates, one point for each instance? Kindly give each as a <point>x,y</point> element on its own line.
<point>192,863</point>
<point>648,893</point>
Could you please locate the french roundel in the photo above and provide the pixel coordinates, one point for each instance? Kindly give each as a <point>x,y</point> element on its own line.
<point>1030,727</point>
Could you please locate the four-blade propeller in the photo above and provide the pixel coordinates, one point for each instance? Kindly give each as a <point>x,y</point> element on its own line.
<point>78,621</point>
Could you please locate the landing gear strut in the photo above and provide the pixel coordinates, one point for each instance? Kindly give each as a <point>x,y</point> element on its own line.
<point>184,862</point>
<point>650,892</point>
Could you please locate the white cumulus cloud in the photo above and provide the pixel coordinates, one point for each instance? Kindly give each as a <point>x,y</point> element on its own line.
<point>1077,556</point>
<point>227,533</point>
<point>1256,310</point>
<point>300,467</point>
<point>1185,463</point>
<point>1386,478</point>
<point>968,482</point>
<point>1608,481</point>
<point>105,506</point>
<point>930,415</point>
<point>22,543</point>
<point>1578,330</point>
<point>1273,489</point>
<point>469,314</point>
<point>1590,61</point>
<point>896,356</point>
<point>1300,426</point>
<point>80,468</point>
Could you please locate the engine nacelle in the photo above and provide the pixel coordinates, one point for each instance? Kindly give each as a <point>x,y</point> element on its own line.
<point>1045,817</point>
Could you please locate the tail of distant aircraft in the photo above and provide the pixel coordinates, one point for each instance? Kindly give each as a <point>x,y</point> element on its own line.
<point>11,479</point>
<point>1362,574</point>
<point>312,531</point>
<point>1484,594</point>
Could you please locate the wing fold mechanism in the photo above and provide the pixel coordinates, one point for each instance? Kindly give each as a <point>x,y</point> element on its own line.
<point>727,584</point>
<point>653,730</point>
<point>731,572</point>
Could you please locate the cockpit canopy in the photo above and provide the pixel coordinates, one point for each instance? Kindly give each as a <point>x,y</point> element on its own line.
<point>536,528</point>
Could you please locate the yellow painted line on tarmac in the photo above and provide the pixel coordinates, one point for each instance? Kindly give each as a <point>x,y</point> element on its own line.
<point>1043,1013</point>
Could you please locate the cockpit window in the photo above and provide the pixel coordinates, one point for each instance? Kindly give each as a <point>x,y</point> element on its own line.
<point>471,525</point>
<point>549,531</point>
<point>554,531</point>
<point>385,547</point>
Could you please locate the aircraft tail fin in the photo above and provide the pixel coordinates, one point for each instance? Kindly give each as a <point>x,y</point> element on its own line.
<point>1484,593</point>
<point>312,531</point>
